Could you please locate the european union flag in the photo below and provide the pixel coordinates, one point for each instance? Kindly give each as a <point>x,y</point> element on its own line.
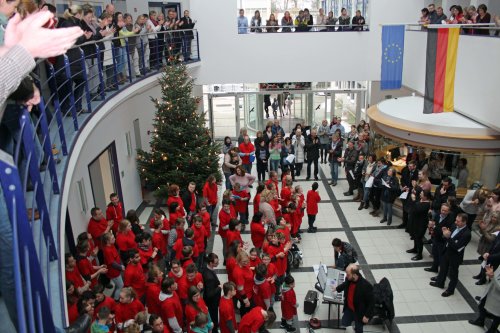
<point>393,44</point>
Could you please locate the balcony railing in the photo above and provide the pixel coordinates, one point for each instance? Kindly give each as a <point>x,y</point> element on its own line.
<point>35,145</point>
<point>303,28</point>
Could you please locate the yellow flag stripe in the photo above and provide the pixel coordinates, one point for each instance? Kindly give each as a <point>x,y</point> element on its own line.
<point>451,64</point>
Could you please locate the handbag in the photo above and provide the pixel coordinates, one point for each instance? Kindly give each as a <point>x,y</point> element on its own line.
<point>252,158</point>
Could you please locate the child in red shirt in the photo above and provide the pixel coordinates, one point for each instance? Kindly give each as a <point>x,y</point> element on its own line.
<point>286,193</point>
<point>200,236</point>
<point>160,215</point>
<point>255,319</point>
<point>205,217</point>
<point>171,312</point>
<point>289,305</point>
<point>153,289</point>
<point>125,237</point>
<point>262,289</point>
<point>313,199</point>
<point>271,274</point>
<point>241,198</point>
<point>158,239</point>
<point>227,317</point>
<point>187,256</point>
<point>174,212</point>
<point>256,199</point>
<point>234,232</point>
<point>146,251</point>
<point>225,215</point>
<point>257,230</point>
<point>254,259</point>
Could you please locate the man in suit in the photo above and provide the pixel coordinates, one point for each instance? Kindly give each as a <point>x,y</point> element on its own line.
<point>350,158</point>
<point>456,241</point>
<point>443,191</point>
<point>212,292</point>
<point>443,220</point>
<point>358,299</point>
<point>408,174</point>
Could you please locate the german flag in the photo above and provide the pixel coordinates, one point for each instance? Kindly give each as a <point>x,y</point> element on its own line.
<point>442,45</point>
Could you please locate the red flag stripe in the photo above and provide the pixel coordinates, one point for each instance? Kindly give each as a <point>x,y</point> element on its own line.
<point>440,76</point>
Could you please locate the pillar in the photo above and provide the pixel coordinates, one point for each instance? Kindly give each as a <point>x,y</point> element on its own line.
<point>490,171</point>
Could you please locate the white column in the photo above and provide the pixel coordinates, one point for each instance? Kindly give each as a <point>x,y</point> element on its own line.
<point>489,174</point>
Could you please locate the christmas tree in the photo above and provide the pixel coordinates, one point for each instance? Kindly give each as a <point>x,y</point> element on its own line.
<point>181,148</point>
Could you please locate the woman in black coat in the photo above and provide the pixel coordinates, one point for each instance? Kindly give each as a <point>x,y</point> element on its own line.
<point>390,191</point>
<point>212,289</point>
<point>420,220</point>
<point>262,156</point>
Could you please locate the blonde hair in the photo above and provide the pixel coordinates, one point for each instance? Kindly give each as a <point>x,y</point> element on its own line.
<point>72,11</point>
<point>123,225</point>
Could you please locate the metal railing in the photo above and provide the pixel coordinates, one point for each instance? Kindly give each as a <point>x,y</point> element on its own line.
<point>303,28</point>
<point>471,29</point>
<point>34,149</point>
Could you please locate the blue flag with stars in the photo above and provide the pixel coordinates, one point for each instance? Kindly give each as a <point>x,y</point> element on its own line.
<point>393,44</point>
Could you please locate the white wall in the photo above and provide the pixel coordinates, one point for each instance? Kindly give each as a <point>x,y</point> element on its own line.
<point>110,124</point>
<point>231,58</point>
<point>477,73</point>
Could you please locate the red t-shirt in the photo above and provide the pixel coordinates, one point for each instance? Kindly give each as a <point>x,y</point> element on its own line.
<point>230,265</point>
<point>146,254</point>
<point>199,237</point>
<point>111,256</point>
<point>191,312</point>
<point>296,220</point>
<point>185,262</point>
<point>72,312</point>
<point>313,199</point>
<point>152,301</point>
<point>165,222</point>
<point>172,217</point>
<point>256,203</point>
<point>262,292</point>
<point>272,273</point>
<point>210,193</point>
<point>158,240</point>
<point>97,229</point>
<point>179,245</point>
<point>192,206</point>
<point>243,276</point>
<point>241,205</point>
<point>233,235</point>
<point>134,277</point>
<point>275,184</point>
<point>252,321</point>
<point>350,296</point>
<point>124,312</point>
<point>224,219</point>
<point>226,313</point>
<point>75,277</point>
<point>206,224</point>
<point>171,308</point>
<point>126,241</point>
<point>246,148</point>
<point>107,302</point>
<point>288,302</point>
<point>86,269</point>
<point>257,233</point>
<point>280,263</point>
<point>255,262</point>
<point>301,202</point>
<point>175,277</point>
<point>286,196</point>
<point>114,213</point>
<point>183,284</point>
<point>180,208</point>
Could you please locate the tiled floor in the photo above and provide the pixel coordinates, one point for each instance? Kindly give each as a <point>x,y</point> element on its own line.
<point>418,307</point>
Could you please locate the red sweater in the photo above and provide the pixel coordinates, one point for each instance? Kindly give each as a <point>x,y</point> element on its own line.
<point>226,313</point>
<point>286,196</point>
<point>124,312</point>
<point>231,236</point>
<point>199,237</point>
<point>179,244</point>
<point>246,148</point>
<point>255,262</point>
<point>224,219</point>
<point>288,304</point>
<point>111,256</point>
<point>262,292</point>
<point>86,269</point>
<point>134,277</point>
<point>165,222</point>
<point>97,229</point>
<point>243,276</point>
<point>152,301</point>
<point>252,321</point>
<point>210,193</point>
<point>272,273</point>
<point>256,203</point>
<point>171,308</point>
<point>114,213</point>
<point>313,199</point>
<point>230,265</point>
<point>180,208</point>
<point>275,184</point>
<point>207,224</point>
<point>280,263</point>
<point>107,302</point>
<point>241,205</point>
<point>126,241</point>
<point>257,233</point>
<point>75,277</point>
<point>158,240</point>
<point>191,312</point>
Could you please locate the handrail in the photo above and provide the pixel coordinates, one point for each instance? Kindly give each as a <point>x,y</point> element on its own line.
<point>309,27</point>
<point>72,87</point>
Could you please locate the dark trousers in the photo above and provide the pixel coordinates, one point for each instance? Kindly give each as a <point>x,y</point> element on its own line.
<point>323,153</point>
<point>483,314</point>
<point>375,197</point>
<point>348,318</point>
<point>243,309</point>
<point>309,162</point>
<point>153,53</point>
<point>311,219</point>
<point>350,180</point>
<point>437,253</point>
<point>449,266</point>
<point>261,170</point>
<point>213,310</point>
<point>418,241</point>
<point>298,168</point>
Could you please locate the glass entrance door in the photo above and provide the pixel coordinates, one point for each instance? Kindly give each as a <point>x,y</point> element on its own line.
<point>225,116</point>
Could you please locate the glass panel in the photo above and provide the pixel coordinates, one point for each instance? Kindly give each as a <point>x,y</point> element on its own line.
<point>224,116</point>
<point>345,107</point>
<point>250,107</point>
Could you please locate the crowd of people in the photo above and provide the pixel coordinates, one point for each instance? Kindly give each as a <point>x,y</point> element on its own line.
<point>459,15</point>
<point>303,22</point>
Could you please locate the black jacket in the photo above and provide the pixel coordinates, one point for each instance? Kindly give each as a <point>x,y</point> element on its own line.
<point>350,158</point>
<point>407,177</point>
<point>212,291</point>
<point>312,148</point>
<point>363,298</point>
<point>455,245</point>
<point>494,251</point>
<point>186,199</point>
<point>438,232</point>
<point>389,194</point>
<point>440,199</point>
<point>335,153</point>
<point>187,23</point>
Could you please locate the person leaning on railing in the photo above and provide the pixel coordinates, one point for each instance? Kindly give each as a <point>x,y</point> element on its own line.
<point>87,23</point>
<point>344,20</point>
<point>131,32</point>
<point>142,48</point>
<point>272,24</point>
<point>106,31</point>
<point>483,17</point>
<point>256,22</point>
<point>358,21</point>
<point>187,23</point>
<point>287,22</point>
<point>330,21</point>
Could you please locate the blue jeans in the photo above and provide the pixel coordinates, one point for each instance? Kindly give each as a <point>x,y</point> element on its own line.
<point>118,282</point>
<point>247,167</point>
<point>366,194</point>
<point>228,182</point>
<point>334,169</point>
<point>348,318</point>
<point>120,59</point>
<point>274,165</point>
<point>7,287</point>
<point>387,211</point>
